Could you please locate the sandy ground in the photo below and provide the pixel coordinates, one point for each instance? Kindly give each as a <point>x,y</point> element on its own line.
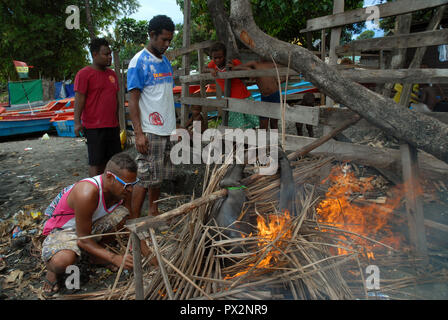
<point>32,172</point>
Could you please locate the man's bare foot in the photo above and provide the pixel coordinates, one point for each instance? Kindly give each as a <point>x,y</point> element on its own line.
<point>51,285</point>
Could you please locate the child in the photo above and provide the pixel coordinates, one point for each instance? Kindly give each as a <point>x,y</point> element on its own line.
<point>196,116</point>
<point>238,89</point>
<point>268,87</point>
<point>308,100</point>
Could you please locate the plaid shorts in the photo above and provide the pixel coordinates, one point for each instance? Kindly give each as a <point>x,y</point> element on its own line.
<point>155,166</point>
<point>65,239</point>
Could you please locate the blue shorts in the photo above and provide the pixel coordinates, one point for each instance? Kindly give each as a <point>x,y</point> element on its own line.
<point>275,97</point>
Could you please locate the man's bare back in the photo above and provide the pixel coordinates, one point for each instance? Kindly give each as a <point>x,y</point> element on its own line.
<point>267,85</point>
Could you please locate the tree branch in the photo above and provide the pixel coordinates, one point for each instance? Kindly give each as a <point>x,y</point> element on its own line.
<point>415,128</point>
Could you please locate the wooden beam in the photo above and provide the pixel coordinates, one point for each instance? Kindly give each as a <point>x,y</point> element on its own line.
<point>335,38</point>
<point>237,74</point>
<point>297,113</point>
<point>138,272</point>
<point>397,76</point>
<point>204,102</point>
<point>178,52</point>
<point>334,116</point>
<point>413,40</point>
<point>141,225</point>
<point>358,75</point>
<point>186,58</point>
<point>380,158</point>
<point>414,204</point>
<point>388,9</point>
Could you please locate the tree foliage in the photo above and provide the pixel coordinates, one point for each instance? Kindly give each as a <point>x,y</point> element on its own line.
<point>367,34</point>
<point>282,19</point>
<point>34,31</point>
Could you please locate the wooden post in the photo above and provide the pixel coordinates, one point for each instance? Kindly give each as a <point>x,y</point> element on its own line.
<point>338,7</point>
<point>161,265</point>
<point>186,59</point>
<point>402,26</point>
<point>120,102</point>
<point>414,205</point>
<point>323,54</point>
<point>204,109</point>
<point>138,272</point>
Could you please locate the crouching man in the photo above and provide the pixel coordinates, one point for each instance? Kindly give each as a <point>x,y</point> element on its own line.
<point>91,206</point>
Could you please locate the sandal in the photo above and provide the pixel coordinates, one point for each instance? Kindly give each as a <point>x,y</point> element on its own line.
<point>54,288</point>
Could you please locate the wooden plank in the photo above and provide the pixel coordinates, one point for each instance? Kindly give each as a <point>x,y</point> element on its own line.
<point>186,58</point>
<point>435,225</point>
<point>382,158</point>
<point>388,9</point>
<point>413,40</point>
<point>397,76</point>
<point>335,38</point>
<point>302,114</point>
<point>204,102</point>
<point>200,45</point>
<point>333,116</point>
<point>138,272</point>
<point>414,205</point>
<point>161,265</point>
<point>323,55</point>
<point>357,75</point>
<point>237,74</point>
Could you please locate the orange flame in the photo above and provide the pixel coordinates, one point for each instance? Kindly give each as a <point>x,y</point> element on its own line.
<point>371,220</point>
<point>277,226</point>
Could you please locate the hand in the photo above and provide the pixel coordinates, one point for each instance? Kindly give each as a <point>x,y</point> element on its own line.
<point>141,143</point>
<point>79,130</point>
<point>214,72</point>
<point>229,65</point>
<point>128,263</point>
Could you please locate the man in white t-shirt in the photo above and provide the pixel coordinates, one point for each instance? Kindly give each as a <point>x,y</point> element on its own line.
<point>151,106</point>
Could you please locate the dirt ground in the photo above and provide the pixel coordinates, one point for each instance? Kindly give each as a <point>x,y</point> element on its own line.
<point>33,171</point>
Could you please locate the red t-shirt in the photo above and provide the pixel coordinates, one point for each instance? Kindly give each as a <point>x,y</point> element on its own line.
<point>237,88</point>
<point>100,88</point>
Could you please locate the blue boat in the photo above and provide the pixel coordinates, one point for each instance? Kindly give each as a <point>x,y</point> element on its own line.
<point>13,127</point>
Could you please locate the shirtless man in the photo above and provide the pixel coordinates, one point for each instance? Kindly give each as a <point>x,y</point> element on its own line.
<point>268,87</point>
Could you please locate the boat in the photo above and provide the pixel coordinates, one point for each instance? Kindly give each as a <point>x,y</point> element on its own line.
<point>37,119</point>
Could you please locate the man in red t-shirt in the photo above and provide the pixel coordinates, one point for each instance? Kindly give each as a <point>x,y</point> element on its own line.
<point>238,89</point>
<point>96,111</point>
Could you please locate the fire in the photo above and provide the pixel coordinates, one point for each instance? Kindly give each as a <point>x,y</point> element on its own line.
<point>373,220</point>
<point>276,226</point>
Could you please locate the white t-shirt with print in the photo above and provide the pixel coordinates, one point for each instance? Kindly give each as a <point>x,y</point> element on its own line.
<point>154,78</point>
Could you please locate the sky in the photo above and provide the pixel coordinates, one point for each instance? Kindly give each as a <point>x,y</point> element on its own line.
<point>151,8</point>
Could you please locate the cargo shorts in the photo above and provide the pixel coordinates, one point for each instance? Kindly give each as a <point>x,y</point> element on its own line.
<point>65,239</point>
<point>155,166</point>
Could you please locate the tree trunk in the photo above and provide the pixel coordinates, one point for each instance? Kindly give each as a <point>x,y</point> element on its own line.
<point>223,28</point>
<point>415,128</point>
<point>90,25</point>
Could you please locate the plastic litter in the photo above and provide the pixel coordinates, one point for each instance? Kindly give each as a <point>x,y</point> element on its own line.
<point>17,232</point>
<point>35,214</point>
<point>28,149</point>
<point>45,137</point>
